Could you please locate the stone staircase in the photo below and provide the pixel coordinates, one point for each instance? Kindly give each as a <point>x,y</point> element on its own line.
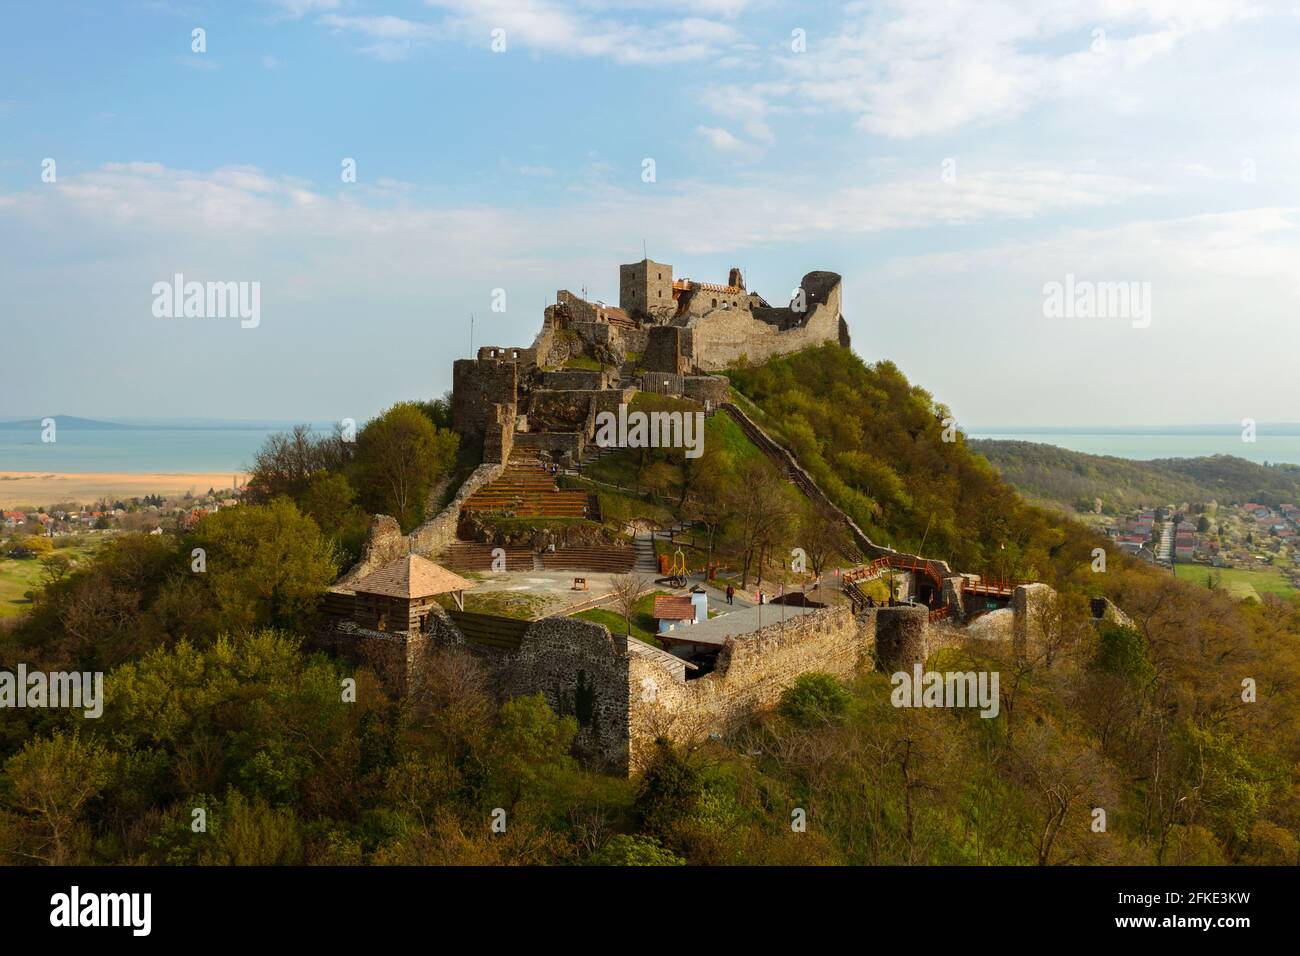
<point>644,546</point>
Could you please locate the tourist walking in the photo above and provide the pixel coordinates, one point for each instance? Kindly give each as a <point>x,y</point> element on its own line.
<point>731,593</point>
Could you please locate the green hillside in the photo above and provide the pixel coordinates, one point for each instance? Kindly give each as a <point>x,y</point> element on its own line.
<point>876,444</point>
<point>1075,479</point>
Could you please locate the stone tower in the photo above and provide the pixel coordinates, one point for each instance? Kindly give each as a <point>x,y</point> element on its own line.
<point>645,288</point>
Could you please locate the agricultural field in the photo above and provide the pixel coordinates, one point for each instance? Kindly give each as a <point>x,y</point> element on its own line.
<point>1240,582</point>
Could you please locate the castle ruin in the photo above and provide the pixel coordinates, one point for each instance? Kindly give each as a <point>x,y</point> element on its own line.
<point>534,411</point>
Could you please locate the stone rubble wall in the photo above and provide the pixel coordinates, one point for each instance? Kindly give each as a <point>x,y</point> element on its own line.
<point>385,541</point>
<point>1027,602</point>
<point>478,385</point>
<point>724,337</point>
<point>751,672</point>
<point>581,669</point>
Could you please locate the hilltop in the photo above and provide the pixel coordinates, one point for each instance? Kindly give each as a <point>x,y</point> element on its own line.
<point>728,718</point>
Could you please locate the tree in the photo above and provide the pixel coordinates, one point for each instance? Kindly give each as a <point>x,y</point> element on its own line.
<point>822,535</point>
<point>1122,651</point>
<point>712,506</point>
<point>265,564</point>
<point>625,850</point>
<point>814,698</point>
<point>627,589</point>
<point>55,567</point>
<point>763,510</point>
<point>47,786</point>
<point>286,462</point>
<point>329,500</point>
<point>400,454</point>
<point>438,411</point>
<point>37,544</point>
<point>670,788</point>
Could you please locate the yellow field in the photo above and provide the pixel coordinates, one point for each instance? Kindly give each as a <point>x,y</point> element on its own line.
<point>41,489</point>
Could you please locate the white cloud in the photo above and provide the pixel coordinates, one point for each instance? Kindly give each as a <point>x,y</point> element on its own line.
<point>142,199</point>
<point>297,9</point>
<point>925,67</point>
<point>385,37</point>
<point>720,139</point>
<point>361,256</point>
<point>584,31</point>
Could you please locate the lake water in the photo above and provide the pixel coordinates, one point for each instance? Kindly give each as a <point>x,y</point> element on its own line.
<point>133,450</point>
<point>230,448</point>
<point>1276,444</point>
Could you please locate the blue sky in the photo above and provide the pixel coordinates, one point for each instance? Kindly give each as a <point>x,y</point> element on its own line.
<point>947,159</point>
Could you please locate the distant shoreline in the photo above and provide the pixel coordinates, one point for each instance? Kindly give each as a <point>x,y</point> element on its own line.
<point>40,489</point>
<point>1272,447</point>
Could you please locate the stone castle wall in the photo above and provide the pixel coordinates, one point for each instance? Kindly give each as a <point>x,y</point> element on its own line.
<point>624,694</point>
<point>751,672</point>
<point>667,350</point>
<point>477,385</point>
<point>724,337</point>
<point>581,669</point>
<point>385,541</point>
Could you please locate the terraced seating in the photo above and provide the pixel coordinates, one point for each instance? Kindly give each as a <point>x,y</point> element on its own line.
<point>474,556</point>
<point>527,490</point>
<point>613,560</point>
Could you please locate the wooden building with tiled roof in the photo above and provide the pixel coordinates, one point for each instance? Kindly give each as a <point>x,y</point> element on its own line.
<point>398,596</point>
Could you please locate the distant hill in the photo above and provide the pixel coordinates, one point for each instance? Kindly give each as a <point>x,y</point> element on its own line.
<point>65,421</point>
<point>1074,479</point>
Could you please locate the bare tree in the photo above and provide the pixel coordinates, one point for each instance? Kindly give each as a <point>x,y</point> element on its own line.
<point>822,535</point>
<point>627,590</point>
<point>712,507</point>
<point>763,512</point>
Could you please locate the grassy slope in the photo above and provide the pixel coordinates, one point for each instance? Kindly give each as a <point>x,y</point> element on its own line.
<point>656,500</point>
<point>643,622</point>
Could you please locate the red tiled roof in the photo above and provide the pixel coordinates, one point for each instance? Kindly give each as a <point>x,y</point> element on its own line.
<point>670,607</point>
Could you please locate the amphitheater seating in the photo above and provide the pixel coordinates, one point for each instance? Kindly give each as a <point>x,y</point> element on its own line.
<point>473,556</point>
<point>614,560</point>
<point>527,490</point>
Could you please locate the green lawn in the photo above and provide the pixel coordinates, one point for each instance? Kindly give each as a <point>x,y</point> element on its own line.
<point>1241,583</point>
<point>522,607</point>
<point>17,576</point>
<point>643,622</point>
